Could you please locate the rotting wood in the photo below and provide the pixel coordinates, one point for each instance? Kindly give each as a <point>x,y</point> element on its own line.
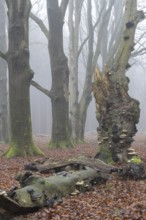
<point>46,165</point>
<point>75,176</point>
<point>69,178</point>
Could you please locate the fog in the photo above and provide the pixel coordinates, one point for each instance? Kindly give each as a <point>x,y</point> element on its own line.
<point>40,103</point>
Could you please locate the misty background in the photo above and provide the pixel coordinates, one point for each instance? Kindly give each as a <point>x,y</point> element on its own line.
<point>40,103</point>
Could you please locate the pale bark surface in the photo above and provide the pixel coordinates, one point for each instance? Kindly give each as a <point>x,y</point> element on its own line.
<point>78,108</point>
<point>75,8</point>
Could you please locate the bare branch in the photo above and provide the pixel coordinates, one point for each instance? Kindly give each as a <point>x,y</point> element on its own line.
<point>40,24</point>
<point>88,85</point>
<point>63,7</point>
<point>38,5</point>
<point>141,37</point>
<point>39,87</point>
<point>138,52</point>
<point>86,39</point>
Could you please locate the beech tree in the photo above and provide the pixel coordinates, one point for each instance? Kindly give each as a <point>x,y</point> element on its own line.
<point>20,76</point>
<point>4,131</point>
<point>117,113</point>
<point>60,74</point>
<point>59,92</point>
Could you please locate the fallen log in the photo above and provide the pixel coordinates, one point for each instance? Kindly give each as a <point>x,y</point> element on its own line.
<point>69,178</point>
<point>75,176</point>
<point>47,165</point>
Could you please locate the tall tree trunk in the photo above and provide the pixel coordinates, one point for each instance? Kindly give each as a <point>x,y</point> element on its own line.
<point>75,8</point>
<point>4,131</point>
<point>78,110</point>
<point>86,95</point>
<point>60,75</point>
<point>117,112</point>
<point>20,75</point>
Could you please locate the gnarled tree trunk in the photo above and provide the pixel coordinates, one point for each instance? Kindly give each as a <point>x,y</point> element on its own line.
<point>117,112</point>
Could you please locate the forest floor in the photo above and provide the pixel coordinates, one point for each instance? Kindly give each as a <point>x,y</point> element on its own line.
<point>115,200</point>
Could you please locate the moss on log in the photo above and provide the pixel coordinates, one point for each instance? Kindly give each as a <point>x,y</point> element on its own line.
<point>77,175</point>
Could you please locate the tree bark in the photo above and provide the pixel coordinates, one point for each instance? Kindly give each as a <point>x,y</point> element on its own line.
<point>59,92</point>
<point>60,75</point>
<point>117,113</point>
<point>75,8</point>
<point>78,109</point>
<point>20,76</point>
<point>4,131</point>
